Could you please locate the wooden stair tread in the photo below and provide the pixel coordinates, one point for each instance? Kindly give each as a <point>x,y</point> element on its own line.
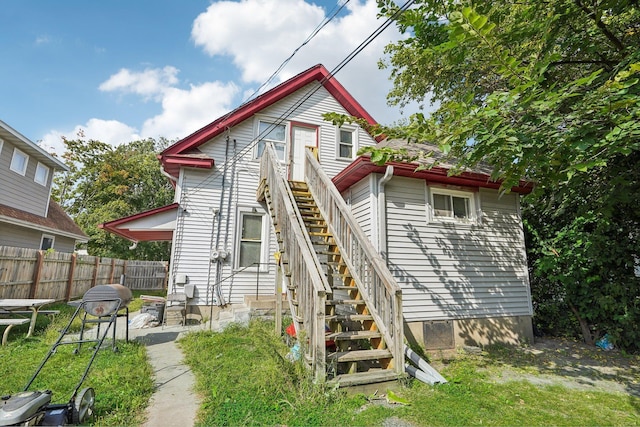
<point>353,335</point>
<point>350,317</point>
<point>344,301</point>
<point>344,288</point>
<point>370,377</point>
<point>356,355</point>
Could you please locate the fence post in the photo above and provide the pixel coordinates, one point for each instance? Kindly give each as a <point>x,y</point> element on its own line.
<point>94,279</point>
<point>72,269</point>
<point>113,268</point>
<point>36,274</point>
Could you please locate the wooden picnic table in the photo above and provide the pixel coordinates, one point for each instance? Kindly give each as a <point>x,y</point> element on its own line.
<point>15,306</point>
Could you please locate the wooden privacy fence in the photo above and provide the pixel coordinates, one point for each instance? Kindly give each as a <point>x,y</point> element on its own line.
<point>29,273</point>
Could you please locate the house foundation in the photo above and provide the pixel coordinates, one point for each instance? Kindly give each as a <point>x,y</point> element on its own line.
<point>451,334</point>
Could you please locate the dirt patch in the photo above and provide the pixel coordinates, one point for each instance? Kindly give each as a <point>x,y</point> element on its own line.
<point>553,361</point>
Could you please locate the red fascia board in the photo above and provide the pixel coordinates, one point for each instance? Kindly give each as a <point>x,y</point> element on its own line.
<point>362,167</point>
<point>315,73</point>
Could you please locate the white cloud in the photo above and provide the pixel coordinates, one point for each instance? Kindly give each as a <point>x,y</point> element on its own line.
<point>150,83</point>
<point>111,132</point>
<point>259,34</point>
<point>185,111</point>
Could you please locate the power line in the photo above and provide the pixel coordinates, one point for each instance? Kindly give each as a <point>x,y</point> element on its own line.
<point>284,116</point>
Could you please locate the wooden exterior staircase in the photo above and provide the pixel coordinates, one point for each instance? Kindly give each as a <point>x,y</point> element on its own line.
<point>345,304</point>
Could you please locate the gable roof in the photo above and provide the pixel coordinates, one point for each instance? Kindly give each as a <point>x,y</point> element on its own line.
<point>479,177</point>
<point>183,152</point>
<point>31,148</point>
<point>153,225</point>
<point>56,222</point>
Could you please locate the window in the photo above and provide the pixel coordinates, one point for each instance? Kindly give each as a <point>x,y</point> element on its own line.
<point>19,162</point>
<point>452,205</point>
<point>42,174</point>
<point>47,242</point>
<point>1,143</point>
<point>345,144</point>
<point>272,133</point>
<point>250,241</point>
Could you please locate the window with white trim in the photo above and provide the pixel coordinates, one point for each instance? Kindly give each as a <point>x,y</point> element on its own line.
<point>274,133</point>
<point>47,242</point>
<point>452,205</point>
<point>19,162</point>
<point>1,143</point>
<point>42,174</point>
<point>251,240</point>
<point>346,147</point>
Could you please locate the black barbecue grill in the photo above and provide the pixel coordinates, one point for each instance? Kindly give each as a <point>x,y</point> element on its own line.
<point>99,305</point>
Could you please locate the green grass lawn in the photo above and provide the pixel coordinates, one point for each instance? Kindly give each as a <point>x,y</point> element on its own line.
<point>244,378</point>
<point>123,380</point>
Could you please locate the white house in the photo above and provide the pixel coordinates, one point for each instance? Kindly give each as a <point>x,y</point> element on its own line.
<point>442,256</point>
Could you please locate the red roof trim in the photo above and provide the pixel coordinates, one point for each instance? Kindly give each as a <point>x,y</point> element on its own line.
<point>140,235</point>
<point>316,73</point>
<point>362,167</point>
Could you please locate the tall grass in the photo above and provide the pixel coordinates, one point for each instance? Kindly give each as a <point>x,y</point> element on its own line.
<point>244,378</point>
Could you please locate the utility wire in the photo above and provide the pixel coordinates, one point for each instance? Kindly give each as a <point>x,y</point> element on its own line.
<point>284,116</point>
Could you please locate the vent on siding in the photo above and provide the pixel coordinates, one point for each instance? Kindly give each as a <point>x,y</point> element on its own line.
<point>438,334</point>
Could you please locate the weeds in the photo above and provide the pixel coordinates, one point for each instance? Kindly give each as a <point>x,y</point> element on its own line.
<point>244,378</point>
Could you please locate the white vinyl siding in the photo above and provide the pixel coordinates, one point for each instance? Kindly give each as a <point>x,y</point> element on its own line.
<point>456,271</point>
<point>360,199</point>
<point>200,192</point>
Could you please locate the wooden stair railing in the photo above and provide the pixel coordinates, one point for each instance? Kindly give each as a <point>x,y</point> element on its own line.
<point>330,288</point>
<point>375,284</point>
<point>306,285</point>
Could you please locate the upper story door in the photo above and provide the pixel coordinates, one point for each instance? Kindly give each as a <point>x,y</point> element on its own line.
<point>301,137</point>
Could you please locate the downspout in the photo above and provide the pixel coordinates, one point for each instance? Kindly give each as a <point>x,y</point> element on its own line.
<point>165,173</point>
<point>382,212</point>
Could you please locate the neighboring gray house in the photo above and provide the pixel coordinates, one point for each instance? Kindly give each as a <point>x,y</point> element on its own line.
<point>28,216</point>
<point>362,252</point>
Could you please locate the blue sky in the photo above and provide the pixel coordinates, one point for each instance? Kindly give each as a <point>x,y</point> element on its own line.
<point>120,70</point>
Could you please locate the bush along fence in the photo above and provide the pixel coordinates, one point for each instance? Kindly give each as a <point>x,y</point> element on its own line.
<point>29,273</point>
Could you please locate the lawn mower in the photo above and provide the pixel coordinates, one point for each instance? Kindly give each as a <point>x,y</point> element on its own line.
<point>99,305</point>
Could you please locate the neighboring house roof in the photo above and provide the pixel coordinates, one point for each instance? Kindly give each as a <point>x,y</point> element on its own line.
<point>56,222</point>
<point>182,152</point>
<point>152,225</point>
<point>31,148</point>
<point>478,177</point>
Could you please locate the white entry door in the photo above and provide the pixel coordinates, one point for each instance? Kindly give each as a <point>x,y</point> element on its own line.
<point>302,137</point>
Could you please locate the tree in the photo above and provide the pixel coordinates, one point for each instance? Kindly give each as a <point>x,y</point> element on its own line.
<point>547,90</point>
<point>105,183</point>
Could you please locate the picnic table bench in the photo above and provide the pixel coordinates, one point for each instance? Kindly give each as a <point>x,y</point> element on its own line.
<point>10,323</point>
<point>22,306</point>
